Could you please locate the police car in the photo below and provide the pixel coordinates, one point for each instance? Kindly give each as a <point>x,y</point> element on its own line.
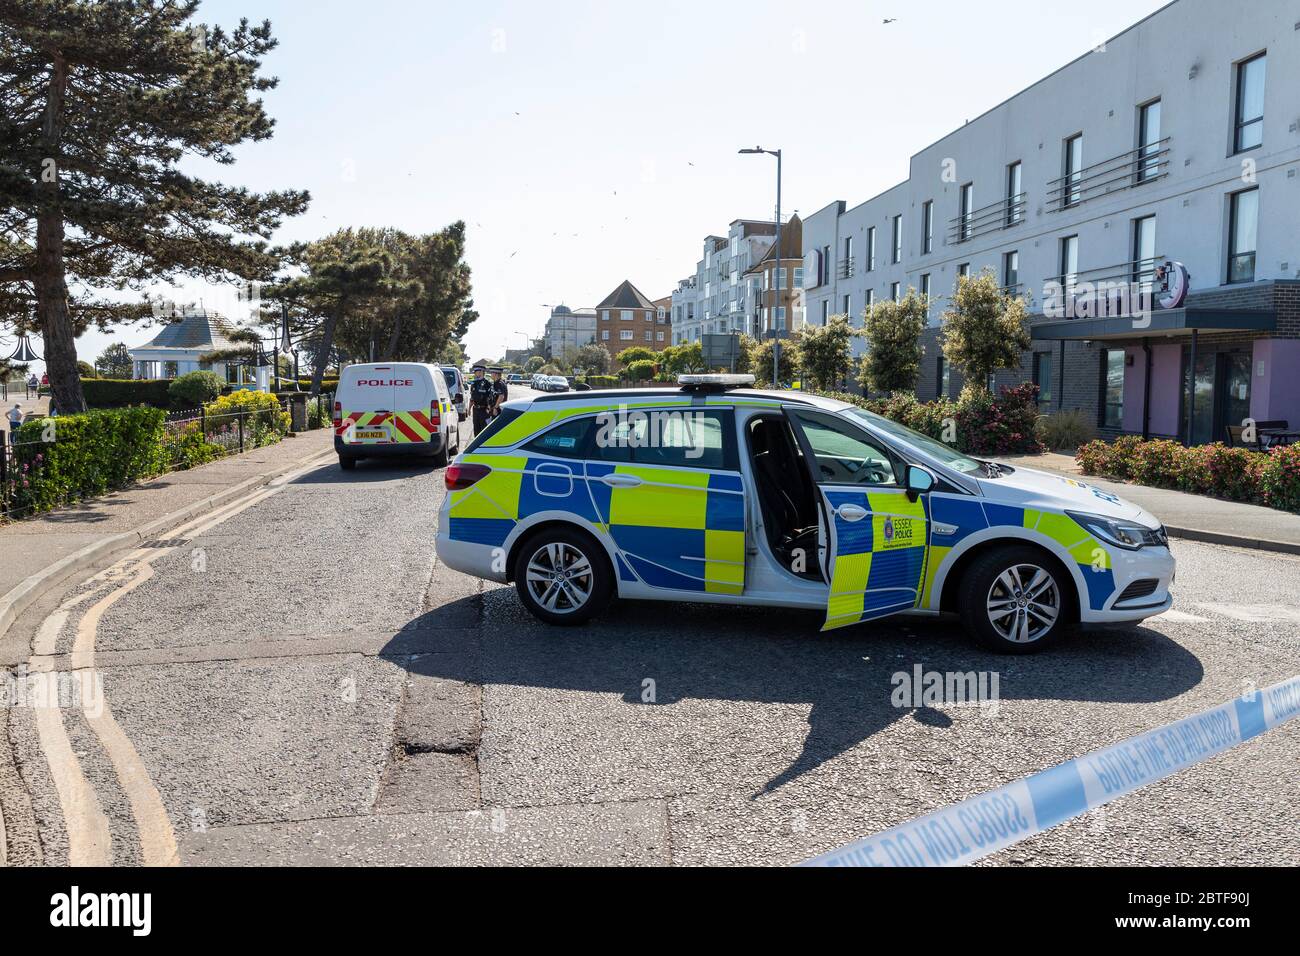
<point>718,493</point>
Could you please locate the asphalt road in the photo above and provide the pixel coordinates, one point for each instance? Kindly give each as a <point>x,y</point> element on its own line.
<point>302,683</point>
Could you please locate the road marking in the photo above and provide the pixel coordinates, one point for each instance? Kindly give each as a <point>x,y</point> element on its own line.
<point>982,825</point>
<point>89,836</point>
<point>1256,613</point>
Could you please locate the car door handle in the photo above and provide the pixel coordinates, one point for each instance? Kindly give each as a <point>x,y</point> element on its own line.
<point>851,512</point>
<point>620,481</point>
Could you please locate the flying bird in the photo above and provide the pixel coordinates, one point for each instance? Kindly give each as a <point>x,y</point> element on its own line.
<point>888,22</point>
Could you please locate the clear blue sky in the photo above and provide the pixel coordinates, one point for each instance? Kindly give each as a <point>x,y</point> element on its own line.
<point>588,142</point>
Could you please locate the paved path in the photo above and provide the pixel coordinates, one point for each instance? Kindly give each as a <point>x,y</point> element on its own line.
<point>1209,518</point>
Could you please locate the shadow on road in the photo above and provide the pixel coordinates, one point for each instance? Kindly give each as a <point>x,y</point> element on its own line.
<point>367,471</point>
<point>778,656</point>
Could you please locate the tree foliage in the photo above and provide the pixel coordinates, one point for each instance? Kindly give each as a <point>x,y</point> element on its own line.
<point>636,353</point>
<point>825,355</point>
<point>591,358</point>
<point>985,330</point>
<point>893,331</point>
<point>760,358</point>
<point>115,362</point>
<point>100,105</point>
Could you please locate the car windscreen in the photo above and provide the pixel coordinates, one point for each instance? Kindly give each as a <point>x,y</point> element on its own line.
<point>944,454</point>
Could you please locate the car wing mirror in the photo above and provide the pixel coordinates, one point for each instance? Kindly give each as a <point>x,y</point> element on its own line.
<point>919,481</point>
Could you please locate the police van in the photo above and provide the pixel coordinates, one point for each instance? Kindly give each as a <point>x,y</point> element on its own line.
<point>394,408</point>
<point>718,493</point>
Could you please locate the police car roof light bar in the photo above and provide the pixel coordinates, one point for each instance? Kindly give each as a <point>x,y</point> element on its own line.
<point>713,382</point>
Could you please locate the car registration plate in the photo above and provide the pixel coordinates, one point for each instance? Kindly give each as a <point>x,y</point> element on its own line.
<point>372,434</point>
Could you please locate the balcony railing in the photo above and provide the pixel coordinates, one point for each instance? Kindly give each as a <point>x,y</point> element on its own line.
<point>1136,270</point>
<point>1002,214</point>
<point>844,268</point>
<point>1142,165</point>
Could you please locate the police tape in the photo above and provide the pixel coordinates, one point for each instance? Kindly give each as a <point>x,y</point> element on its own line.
<point>983,825</point>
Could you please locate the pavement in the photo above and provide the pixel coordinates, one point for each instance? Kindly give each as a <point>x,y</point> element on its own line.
<point>29,546</point>
<point>1195,517</point>
<point>303,683</point>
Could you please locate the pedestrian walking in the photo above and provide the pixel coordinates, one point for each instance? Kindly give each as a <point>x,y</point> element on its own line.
<point>15,422</point>
<point>33,385</point>
<point>481,397</point>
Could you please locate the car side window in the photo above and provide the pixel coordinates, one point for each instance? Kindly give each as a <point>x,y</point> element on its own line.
<point>844,454</point>
<point>567,440</point>
<point>683,437</point>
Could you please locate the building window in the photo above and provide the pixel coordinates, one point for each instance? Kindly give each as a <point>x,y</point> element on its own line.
<point>780,317</point>
<point>1144,250</point>
<point>925,284</point>
<point>604,334</point>
<point>870,300</point>
<point>963,270</point>
<point>625,315</point>
<point>660,336</point>
<point>898,240</point>
<point>1043,376</point>
<point>1243,226</point>
<point>1250,104</point>
<point>1013,194</point>
<point>604,315</point>
<point>1073,170</point>
<point>967,207</point>
<point>826,310</point>
<point>944,378</point>
<point>848,305</point>
<point>893,291</point>
<point>649,335</point>
<point>1069,262</point>
<point>798,277</point>
<point>1011,270</point>
<point>927,227</point>
<point>625,335</point>
<point>871,248</point>
<point>825,265</point>
<point>1149,162</point>
<point>1112,388</point>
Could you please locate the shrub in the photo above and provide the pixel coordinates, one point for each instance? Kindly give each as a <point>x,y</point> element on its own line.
<point>259,414</point>
<point>640,370</point>
<point>195,388</point>
<point>122,392</point>
<point>602,381</point>
<point>91,454</point>
<point>1065,430</point>
<point>998,426</point>
<point>1279,478</point>
<point>190,447</point>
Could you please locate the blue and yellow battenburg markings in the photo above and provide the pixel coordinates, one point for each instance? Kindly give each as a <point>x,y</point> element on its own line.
<point>879,560</point>
<point>682,529</point>
<point>982,825</point>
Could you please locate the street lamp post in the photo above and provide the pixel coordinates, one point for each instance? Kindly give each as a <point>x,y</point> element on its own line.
<point>776,281</point>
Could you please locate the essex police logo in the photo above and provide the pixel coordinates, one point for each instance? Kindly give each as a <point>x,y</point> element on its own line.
<point>889,531</point>
<point>897,533</point>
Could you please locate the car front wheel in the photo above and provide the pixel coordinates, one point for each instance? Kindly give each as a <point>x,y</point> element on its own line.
<point>1015,600</point>
<point>562,576</point>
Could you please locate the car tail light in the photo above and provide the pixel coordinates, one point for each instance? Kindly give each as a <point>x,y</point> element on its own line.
<point>458,477</point>
<point>435,415</point>
<point>338,415</point>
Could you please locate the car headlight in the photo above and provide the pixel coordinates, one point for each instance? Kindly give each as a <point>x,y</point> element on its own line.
<point>1123,534</point>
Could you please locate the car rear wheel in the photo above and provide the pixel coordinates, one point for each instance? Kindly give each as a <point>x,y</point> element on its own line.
<point>347,462</point>
<point>1015,600</point>
<point>562,576</point>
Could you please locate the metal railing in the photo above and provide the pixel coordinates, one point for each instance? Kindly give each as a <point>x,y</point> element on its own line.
<point>1002,214</point>
<point>1133,168</point>
<point>844,268</point>
<point>1135,270</point>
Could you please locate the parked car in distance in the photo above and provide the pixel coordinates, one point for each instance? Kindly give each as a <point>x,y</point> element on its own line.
<point>456,385</point>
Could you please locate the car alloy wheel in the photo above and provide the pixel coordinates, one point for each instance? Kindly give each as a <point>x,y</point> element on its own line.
<point>1024,603</point>
<point>559,577</point>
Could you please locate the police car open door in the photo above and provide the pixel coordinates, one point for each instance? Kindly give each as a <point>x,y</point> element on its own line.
<point>876,536</point>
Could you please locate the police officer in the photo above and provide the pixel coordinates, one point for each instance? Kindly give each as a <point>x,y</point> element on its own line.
<point>481,397</point>
<point>500,393</point>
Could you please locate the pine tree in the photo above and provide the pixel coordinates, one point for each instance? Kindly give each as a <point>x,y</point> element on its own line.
<point>99,104</point>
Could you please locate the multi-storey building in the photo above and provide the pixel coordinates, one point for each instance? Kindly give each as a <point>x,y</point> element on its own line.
<point>568,330</point>
<point>625,318</point>
<point>721,299</point>
<point>1169,155</point>
<point>774,289</point>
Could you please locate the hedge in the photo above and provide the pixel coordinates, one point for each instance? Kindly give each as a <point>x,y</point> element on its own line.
<point>977,423</point>
<point>91,454</point>
<point>1237,474</point>
<point>122,392</point>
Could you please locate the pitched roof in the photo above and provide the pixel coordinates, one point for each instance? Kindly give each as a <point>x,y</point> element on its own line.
<point>791,245</point>
<point>198,331</point>
<point>626,296</point>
